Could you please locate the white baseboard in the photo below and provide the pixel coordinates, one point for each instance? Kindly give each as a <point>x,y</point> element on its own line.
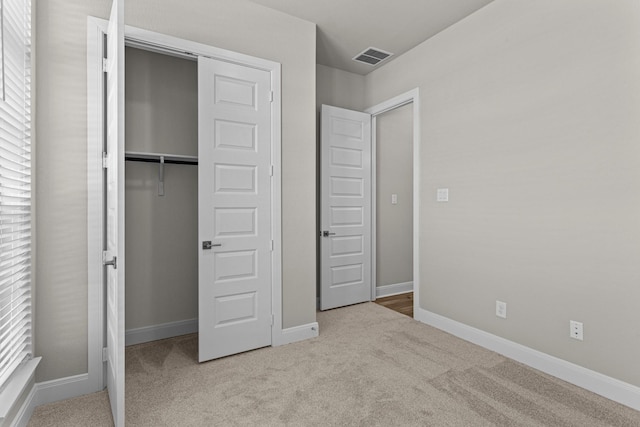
<point>611,388</point>
<point>295,334</point>
<point>62,388</point>
<point>52,391</point>
<point>160,332</point>
<point>26,410</point>
<point>394,289</point>
<point>78,385</point>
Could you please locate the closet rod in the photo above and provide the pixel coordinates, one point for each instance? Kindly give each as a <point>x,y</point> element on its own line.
<point>160,158</point>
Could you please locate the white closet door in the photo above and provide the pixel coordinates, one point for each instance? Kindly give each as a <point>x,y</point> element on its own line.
<point>115,212</point>
<point>345,181</point>
<point>234,208</point>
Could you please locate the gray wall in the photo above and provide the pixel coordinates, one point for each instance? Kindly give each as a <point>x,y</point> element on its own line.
<point>394,175</point>
<point>529,115</point>
<point>162,231</point>
<point>339,88</point>
<point>61,185</point>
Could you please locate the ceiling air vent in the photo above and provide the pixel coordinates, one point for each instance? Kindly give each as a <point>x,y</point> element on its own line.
<point>372,56</point>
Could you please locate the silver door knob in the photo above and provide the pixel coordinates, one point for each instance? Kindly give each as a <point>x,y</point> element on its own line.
<point>327,234</point>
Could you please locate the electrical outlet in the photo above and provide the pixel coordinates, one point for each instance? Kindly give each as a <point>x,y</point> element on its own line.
<point>575,330</point>
<point>501,309</point>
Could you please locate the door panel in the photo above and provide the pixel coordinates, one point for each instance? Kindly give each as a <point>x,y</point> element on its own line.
<point>345,270</point>
<point>115,211</point>
<point>234,208</point>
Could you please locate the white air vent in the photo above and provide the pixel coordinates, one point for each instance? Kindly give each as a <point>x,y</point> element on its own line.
<point>372,56</point>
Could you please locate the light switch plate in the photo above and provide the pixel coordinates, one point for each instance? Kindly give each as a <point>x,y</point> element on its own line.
<point>394,199</point>
<point>501,309</point>
<point>442,195</point>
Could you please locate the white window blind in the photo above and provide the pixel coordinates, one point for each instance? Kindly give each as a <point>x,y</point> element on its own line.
<point>15,186</point>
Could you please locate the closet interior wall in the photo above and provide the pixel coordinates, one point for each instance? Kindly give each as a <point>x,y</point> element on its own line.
<point>161,231</point>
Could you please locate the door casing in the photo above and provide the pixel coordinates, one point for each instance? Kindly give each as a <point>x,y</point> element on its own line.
<point>161,43</point>
<point>411,97</point>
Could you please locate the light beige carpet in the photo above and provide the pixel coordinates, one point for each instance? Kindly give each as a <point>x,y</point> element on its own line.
<point>370,366</point>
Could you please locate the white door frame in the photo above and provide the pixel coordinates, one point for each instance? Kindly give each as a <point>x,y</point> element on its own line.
<point>96,28</point>
<point>410,97</point>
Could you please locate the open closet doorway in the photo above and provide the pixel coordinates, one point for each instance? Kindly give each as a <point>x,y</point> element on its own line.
<point>161,199</point>
<point>198,203</point>
<point>237,246</point>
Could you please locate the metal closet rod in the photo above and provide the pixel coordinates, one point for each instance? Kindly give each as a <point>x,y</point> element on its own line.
<point>160,158</point>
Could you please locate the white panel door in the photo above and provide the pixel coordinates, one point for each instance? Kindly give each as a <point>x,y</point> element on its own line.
<point>234,208</point>
<point>345,187</point>
<point>114,256</point>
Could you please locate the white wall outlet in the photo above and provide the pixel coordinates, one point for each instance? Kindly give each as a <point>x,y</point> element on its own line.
<point>442,195</point>
<point>575,330</point>
<point>501,309</point>
<point>394,199</point>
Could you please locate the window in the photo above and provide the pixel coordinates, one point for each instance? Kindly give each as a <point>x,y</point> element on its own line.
<point>15,186</point>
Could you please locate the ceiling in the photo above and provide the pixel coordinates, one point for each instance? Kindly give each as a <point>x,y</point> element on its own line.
<point>347,27</point>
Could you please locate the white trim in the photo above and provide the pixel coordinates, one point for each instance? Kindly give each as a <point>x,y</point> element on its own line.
<point>61,389</point>
<point>163,43</point>
<point>16,386</point>
<point>160,332</point>
<point>393,103</point>
<point>53,391</point>
<point>394,289</point>
<point>297,333</point>
<point>26,410</point>
<point>374,207</point>
<point>410,97</point>
<point>96,30</point>
<point>276,203</point>
<point>611,388</point>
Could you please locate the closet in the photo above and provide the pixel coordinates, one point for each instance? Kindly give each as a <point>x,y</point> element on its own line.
<point>161,196</point>
<point>199,202</point>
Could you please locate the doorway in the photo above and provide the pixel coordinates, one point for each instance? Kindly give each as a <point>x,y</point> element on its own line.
<point>236,179</point>
<point>393,194</point>
<point>408,101</point>
<point>348,177</point>
<point>393,213</point>
<point>161,199</point>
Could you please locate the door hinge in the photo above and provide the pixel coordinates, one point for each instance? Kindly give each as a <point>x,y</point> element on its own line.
<point>105,65</point>
<point>105,160</point>
<point>273,319</point>
<point>113,262</point>
<point>271,96</point>
<point>272,245</point>
<point>105,354</point>
<point>271,171</point>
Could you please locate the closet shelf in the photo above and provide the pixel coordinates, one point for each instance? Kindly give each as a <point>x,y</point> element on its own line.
<point>178,159</point>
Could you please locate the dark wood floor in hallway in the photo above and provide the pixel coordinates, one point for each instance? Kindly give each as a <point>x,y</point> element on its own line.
<point>402,303</point>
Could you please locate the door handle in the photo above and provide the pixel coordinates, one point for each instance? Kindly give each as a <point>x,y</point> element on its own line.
<point>208,245</point>
<point>327,234</point>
